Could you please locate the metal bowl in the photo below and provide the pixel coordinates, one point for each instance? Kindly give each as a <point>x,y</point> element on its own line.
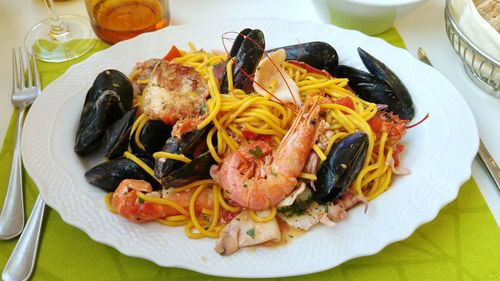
<point>480,67</point>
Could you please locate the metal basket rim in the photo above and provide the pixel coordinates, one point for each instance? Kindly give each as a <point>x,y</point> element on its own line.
<point>454,25</point>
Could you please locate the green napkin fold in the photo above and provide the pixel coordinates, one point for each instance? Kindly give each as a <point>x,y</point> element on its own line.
<point>462,243</point>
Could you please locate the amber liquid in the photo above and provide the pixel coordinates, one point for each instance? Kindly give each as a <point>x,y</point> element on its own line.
<point>117,20</point>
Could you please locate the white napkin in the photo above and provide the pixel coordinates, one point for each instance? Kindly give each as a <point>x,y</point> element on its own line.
<point>479,31</point>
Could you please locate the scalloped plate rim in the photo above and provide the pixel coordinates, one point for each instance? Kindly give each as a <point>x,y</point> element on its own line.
<point>127,251</point>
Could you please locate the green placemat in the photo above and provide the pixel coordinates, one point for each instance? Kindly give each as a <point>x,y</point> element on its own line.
<point>462,243</point>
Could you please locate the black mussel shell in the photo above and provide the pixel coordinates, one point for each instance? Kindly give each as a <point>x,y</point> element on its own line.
<point>197,169</point>
<point>238,41</point>
<point>164,166</point>
<point>342,166</point>
<point>248,56</point>
<point>373,89</point>
<point>154,134</point>
<point>185,145</point>
<point>365,85</point>
<point>107,100</point>
<point>116,138</point>
<point>317,54</point>
<point>399,94</point>
<point>108,175</point>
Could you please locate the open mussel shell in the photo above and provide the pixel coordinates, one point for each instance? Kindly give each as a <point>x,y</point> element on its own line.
<point>365,85</point>
<point>197,169</point>
<point>376,90</point>
<point>247,57</point>
<point>154,134</point>
<point>402,103</point>
<point>107,100</point>
<point>317,54</point>
<point>164,166</point>
<point>108,175</point>
<point>399,99</point>
<point>116,138</point>
<point>342,166</point>
<point>185,145</point>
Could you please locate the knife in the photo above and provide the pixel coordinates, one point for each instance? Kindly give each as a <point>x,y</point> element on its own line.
<point>484,154</point>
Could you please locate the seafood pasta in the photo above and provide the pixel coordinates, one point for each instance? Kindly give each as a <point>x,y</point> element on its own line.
<point>235,145</point>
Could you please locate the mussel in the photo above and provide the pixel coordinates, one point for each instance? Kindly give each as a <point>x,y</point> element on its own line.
<point>382,86</point>
<point>108,175</point>
<point>250,48</point>
<point>185,145</point>
<point>197,169</point>
<point>238,41</point>
<point>107,100</point>
<point>399,92</point>
<point>116,138</point>
<point>317,54</point>
<point>341,167</point>
<point>153,135</point>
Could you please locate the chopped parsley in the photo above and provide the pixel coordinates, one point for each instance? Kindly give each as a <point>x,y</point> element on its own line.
<point>256,152</point>
<point>297,209</point>
<point>203,109</point>
<point>251,232</point>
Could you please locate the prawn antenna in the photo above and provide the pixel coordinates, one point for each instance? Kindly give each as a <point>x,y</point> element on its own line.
<point>418,122</point>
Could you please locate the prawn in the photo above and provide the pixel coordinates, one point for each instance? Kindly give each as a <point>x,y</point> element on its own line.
<point>127,204</point>
<point>258,178</point>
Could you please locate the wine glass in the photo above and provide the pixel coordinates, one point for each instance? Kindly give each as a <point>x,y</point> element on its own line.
<point>60,38</point>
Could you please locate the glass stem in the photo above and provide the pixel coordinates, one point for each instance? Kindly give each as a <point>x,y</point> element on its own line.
<point>57,28</point>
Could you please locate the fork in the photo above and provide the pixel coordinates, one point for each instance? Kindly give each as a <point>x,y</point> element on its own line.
<point>22,259</point>
<point>26,88</point>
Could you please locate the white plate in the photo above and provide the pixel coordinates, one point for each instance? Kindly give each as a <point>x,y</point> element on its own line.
<point>439,154</point>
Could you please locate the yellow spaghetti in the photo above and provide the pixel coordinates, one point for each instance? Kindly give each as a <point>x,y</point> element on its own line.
<point>257,218</point>
<point>107,201</point>
<point>236,118</point>
<point>178,157</point>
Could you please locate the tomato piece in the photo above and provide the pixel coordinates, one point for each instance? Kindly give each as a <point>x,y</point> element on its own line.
<point>345,101</point>
<point>310,68</point>
<point>226,215</point>
<point>172,53</point>
<point>265,138</point>
<point>375,123</point>
<point>249,134</point>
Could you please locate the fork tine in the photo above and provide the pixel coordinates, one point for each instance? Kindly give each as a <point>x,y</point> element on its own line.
<point>15,72</point>
<point>35,69</point>
<point>28,67</point>
<point>22,81</point>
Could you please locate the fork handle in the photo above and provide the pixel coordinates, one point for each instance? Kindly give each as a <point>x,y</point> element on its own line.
<point>12,216</point>
<point>22,259</point>
<point>490,164</point>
